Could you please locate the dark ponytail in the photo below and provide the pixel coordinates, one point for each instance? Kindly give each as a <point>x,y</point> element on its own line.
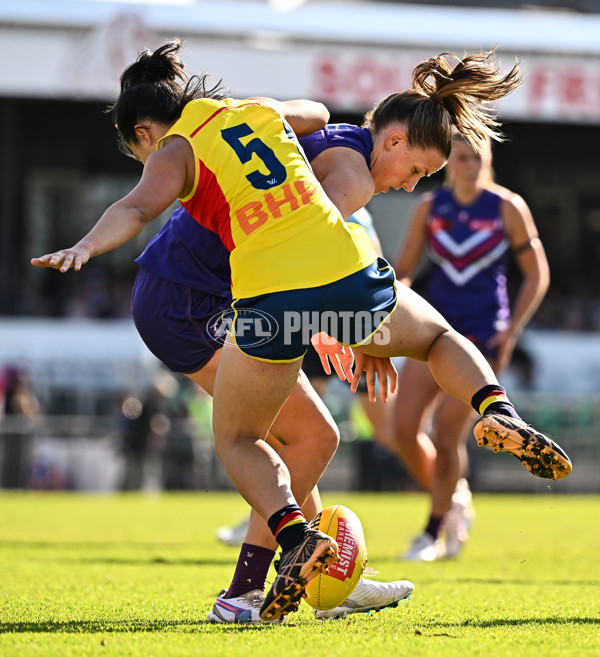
<point>155,87</point>
<point>442,97</point>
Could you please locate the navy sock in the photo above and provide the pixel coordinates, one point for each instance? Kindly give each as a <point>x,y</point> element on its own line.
<point>251,570</point>
<point>492,399</point>
<point>288,526</point>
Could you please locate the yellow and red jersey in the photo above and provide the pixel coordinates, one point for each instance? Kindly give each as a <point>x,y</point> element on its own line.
<point>254,188</point>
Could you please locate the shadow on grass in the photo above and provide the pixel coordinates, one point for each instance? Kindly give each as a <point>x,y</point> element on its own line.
<point>153,553</point>
<point>105,545</point>
<point>125,626</point>
<point>150,560</point>
<point>509,622</point>
<point>202,627</point>
<point>511,582</point>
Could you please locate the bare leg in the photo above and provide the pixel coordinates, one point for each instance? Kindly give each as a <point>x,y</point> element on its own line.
<point>452,423</point>
<point>437,462</point>
<point>416,396</point>
<point>248,395</point>
<point>418,331</point>
<point>307,438</point>
<point>307,435</point>
<point>381,417</point>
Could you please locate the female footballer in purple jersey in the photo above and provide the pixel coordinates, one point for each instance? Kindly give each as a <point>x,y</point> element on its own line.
<point>411,138</point>
<point>469,227</point>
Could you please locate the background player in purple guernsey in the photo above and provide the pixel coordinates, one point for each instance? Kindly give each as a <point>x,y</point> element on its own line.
<point>469,228</point>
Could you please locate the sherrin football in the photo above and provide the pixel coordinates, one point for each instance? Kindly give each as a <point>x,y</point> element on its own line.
<point>328,591</point>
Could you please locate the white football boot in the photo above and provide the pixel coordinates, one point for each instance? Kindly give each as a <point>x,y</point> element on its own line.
<point>459,519</point>
<point>243,609</point>
<point>369,596</point>
<point>233,536</point>
<point>425,548</point>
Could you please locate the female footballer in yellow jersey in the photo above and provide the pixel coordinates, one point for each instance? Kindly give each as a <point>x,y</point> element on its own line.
<point>270,212</point>
<point>411,138</point>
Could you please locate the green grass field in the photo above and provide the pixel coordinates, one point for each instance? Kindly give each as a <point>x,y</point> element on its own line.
<point>136,575</point>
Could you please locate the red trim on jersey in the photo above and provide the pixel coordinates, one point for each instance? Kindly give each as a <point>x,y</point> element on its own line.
<point>470,258</point>
<point>209,207</point>
<point>212,116</point>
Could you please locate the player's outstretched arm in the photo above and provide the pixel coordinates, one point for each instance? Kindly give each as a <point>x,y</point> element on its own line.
<point>162,181</point>
<point>530,257</point>
<point>116,226</point>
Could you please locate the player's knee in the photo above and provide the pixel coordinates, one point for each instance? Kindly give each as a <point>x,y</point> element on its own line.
<point>229,447</point>
<point>405,433</point>
<point>325,441</point>
<point>438,339</point>
<point>330,437</point>
<point>386,438</point>
<point>445,450</point>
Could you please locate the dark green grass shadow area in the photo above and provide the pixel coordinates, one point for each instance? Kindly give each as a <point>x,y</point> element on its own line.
<point>512,582</point>
<point>510,622</point>
<point>98,545</point>
<point>124,626</point>
<point>149,561</point>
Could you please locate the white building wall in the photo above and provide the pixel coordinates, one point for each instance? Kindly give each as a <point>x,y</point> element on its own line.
<point>347,55</point>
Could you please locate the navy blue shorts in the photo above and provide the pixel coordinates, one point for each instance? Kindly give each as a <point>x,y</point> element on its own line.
<point>312,366</point>
<point>181,325</point>
<point>278,326</point>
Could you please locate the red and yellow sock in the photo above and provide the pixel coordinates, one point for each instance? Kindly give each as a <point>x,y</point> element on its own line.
<point>288,526</point>
<point>493,399</point>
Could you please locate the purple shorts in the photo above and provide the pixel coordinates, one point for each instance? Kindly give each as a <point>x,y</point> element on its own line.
<point>478,338</point>
<point>174,321</point>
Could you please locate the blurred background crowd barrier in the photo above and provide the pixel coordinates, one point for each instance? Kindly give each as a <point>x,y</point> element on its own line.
<point>84,405</point>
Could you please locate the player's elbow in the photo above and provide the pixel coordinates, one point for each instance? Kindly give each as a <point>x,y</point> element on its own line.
<point>318,118</point>
<point>322,112</point>
<point>141,217</point>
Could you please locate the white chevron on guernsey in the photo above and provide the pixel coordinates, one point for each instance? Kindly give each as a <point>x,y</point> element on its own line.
<point>459,249</point>
<point>460,278</point>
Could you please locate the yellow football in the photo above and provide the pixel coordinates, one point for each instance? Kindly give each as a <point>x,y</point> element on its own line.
<point>330,590</point>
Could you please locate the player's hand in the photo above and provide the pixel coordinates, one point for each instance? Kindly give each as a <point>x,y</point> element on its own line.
<point>342,358</point>
<point>63,260</point>
<point>377,370</point>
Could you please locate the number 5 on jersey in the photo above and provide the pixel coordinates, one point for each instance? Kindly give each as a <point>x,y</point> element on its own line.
<point>277,173</point>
